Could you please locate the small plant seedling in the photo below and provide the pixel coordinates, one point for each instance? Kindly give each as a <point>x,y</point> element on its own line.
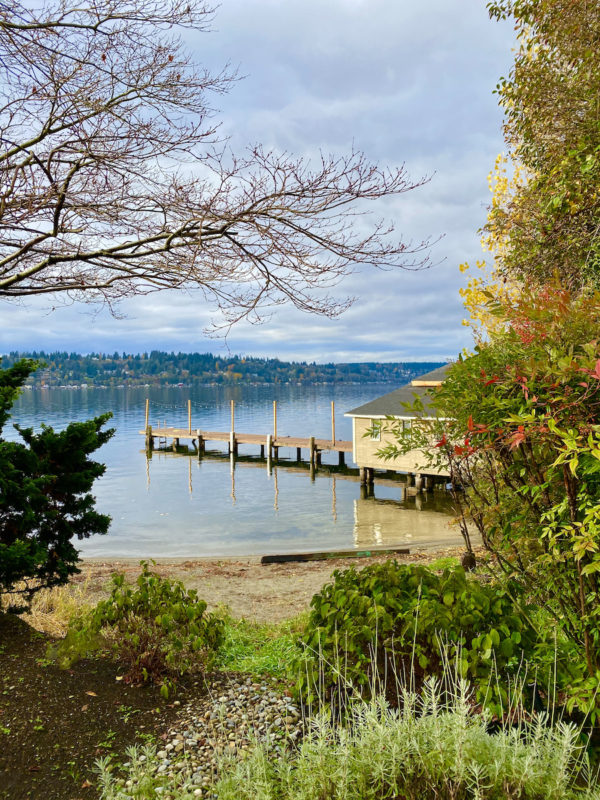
<point>127,712</point>
<point>108,741</point>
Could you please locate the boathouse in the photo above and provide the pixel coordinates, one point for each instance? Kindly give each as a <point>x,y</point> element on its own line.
<point>369,431</point>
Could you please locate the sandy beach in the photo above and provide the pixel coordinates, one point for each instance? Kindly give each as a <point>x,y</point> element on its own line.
<point>266,593</point>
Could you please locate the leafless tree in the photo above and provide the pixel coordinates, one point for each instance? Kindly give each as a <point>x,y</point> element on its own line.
<point>114,181</point>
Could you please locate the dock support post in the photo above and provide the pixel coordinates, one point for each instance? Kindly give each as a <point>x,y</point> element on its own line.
<point>332,423</point>
<point>319,457</point>
<point>149,438</point>
<point>268,446</point>
<point>147,413</point>
<point>233,445</point>
<point>189,416</point>
<point>298,454</point>
<point>312,449</point>
<point>362,472</point>
<point>175,444</point>
<point>262,451</point>
<point>275,452</point>
<point>201,444</point>
<point>418,482</point>
<point>232,441</point>
<point>370,476</point>
<point>341,458</point>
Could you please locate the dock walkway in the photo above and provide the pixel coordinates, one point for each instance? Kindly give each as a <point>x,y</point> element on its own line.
<point>267,443</point>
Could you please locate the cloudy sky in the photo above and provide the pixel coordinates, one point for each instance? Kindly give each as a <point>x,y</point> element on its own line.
<point>406,82</point>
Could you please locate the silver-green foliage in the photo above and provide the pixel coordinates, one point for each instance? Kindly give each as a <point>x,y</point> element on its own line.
<point>424,750</point>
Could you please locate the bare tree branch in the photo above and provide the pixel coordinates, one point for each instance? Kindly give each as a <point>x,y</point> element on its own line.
<point>114,182</point>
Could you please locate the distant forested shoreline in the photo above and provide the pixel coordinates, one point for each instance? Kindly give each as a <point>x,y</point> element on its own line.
<point>157,368</point>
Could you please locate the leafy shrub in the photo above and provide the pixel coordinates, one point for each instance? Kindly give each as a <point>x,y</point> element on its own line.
<point>371,629</point>
<point>158,630</point>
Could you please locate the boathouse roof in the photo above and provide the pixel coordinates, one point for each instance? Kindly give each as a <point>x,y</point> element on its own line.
<point>390,404</point>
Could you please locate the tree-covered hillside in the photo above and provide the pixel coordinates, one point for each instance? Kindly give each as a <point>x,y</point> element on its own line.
<point>101,369</point>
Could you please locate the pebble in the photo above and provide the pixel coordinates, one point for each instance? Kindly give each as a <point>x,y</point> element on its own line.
<point>232,715</point>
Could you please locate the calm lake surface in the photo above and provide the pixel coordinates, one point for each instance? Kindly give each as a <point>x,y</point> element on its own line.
<point>176,505</point>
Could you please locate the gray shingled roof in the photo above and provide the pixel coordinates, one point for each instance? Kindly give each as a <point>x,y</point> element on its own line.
<point>391,404</point>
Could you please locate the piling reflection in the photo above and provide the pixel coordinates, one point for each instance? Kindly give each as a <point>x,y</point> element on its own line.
<point>389,512</point>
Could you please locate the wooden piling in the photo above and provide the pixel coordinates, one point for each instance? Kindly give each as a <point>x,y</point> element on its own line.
<point>274,420</point>
<point>332,423</point>
<point>189,416</point>
<point>233,445</point>
<point>232,426</point>
<point>312,448</point>
<point>147,413</point>
<point>149,438</point>
<point>298,454</point>
<point>341,458</point>
<point>362,472</point>
<point>262,451</point>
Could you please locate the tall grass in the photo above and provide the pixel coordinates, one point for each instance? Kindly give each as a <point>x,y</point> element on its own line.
<point>52,609</point>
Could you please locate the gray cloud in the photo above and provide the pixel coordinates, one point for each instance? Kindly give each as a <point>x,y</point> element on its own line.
<point>407,83</point>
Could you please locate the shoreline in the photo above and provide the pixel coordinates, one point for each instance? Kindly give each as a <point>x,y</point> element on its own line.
<point>264,593</point>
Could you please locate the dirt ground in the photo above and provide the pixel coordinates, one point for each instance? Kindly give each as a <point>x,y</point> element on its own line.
<point>265,593</point>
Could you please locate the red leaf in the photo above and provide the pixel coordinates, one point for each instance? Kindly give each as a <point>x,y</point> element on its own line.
<point>442,441</point>
<point>470,423</point>
<point>495,379</point>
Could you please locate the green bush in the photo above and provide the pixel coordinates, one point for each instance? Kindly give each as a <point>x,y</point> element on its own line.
<point>392,624</point>
<point>158,630</point>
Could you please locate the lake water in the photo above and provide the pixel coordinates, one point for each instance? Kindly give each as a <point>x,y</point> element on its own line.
<point>177,505</point>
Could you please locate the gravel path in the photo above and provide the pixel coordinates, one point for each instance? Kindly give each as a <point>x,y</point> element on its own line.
<point>235,713</point>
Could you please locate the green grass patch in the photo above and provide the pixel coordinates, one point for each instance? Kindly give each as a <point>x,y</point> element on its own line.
<point>258,648</point>
<point>445,562</point>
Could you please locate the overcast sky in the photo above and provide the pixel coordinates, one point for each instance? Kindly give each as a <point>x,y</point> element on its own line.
<point>406,82</point>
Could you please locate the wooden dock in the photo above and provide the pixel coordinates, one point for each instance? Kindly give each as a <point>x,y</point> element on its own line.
<point>269,443</point>
<point>269,446</point>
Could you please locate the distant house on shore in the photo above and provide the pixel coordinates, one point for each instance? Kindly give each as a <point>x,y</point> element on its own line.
<point>369,434</point>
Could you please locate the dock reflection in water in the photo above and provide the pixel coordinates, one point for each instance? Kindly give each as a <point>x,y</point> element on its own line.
<point>388,514</point>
